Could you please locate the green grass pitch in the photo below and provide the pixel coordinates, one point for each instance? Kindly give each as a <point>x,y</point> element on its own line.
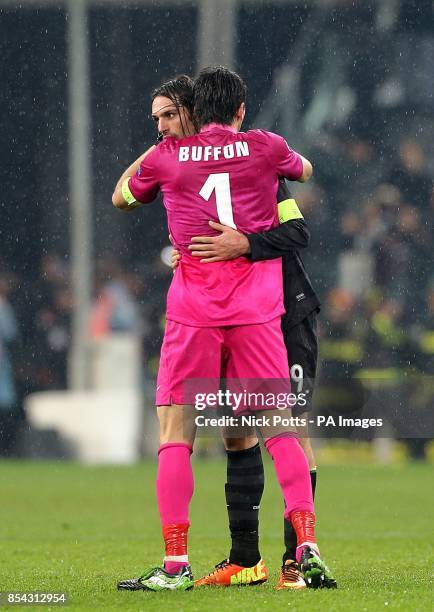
<point>66,527</point>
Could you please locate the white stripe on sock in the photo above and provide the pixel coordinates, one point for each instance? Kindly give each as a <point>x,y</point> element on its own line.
<point>176,558</point>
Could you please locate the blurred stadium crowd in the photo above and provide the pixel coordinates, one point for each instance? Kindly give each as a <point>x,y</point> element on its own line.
<point>380,319</point>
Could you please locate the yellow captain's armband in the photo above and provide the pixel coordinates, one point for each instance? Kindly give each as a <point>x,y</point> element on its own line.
<point>288,210</point>
<point>126,193</point>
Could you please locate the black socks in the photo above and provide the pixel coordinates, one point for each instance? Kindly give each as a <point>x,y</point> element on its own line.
<point>244,488</point>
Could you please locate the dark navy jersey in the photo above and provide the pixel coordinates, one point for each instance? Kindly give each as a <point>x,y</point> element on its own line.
<point>285,241</point>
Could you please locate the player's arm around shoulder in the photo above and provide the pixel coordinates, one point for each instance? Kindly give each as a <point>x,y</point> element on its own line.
<point>292,233</point>
<point>122,197</point>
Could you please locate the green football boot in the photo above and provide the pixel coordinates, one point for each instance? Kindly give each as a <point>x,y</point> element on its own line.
<point>158,579</point>
<point>315,572</point>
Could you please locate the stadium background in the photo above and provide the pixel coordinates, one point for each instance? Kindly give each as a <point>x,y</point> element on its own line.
<point>350,84</point>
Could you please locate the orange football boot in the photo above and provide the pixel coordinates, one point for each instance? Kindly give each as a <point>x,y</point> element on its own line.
<point>228,574</point>
<point>290,577</point>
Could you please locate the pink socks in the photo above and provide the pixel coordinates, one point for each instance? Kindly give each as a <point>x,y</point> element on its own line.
<point>174,491</point>
<point>292,470</point>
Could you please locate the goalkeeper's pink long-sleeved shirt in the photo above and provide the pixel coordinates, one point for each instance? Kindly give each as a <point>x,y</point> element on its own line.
<point>232,178</point>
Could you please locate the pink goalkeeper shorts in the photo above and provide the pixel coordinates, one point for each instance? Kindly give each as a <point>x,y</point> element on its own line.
<point>192,357</point>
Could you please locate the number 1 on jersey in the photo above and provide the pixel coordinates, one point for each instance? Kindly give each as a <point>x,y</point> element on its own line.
<point>220,183</point>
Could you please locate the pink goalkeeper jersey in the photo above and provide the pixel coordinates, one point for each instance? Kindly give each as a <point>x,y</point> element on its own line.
<point>232,178</point>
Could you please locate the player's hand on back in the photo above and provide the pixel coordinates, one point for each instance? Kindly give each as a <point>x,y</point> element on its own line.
<point>229,244</point>
<point>174,259</point>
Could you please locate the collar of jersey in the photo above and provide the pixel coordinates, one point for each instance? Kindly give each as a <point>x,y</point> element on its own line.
<point>213,126</point>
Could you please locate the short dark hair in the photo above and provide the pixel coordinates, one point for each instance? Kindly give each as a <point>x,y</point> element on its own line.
<point>218,94</point>
<point>179,90</point>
